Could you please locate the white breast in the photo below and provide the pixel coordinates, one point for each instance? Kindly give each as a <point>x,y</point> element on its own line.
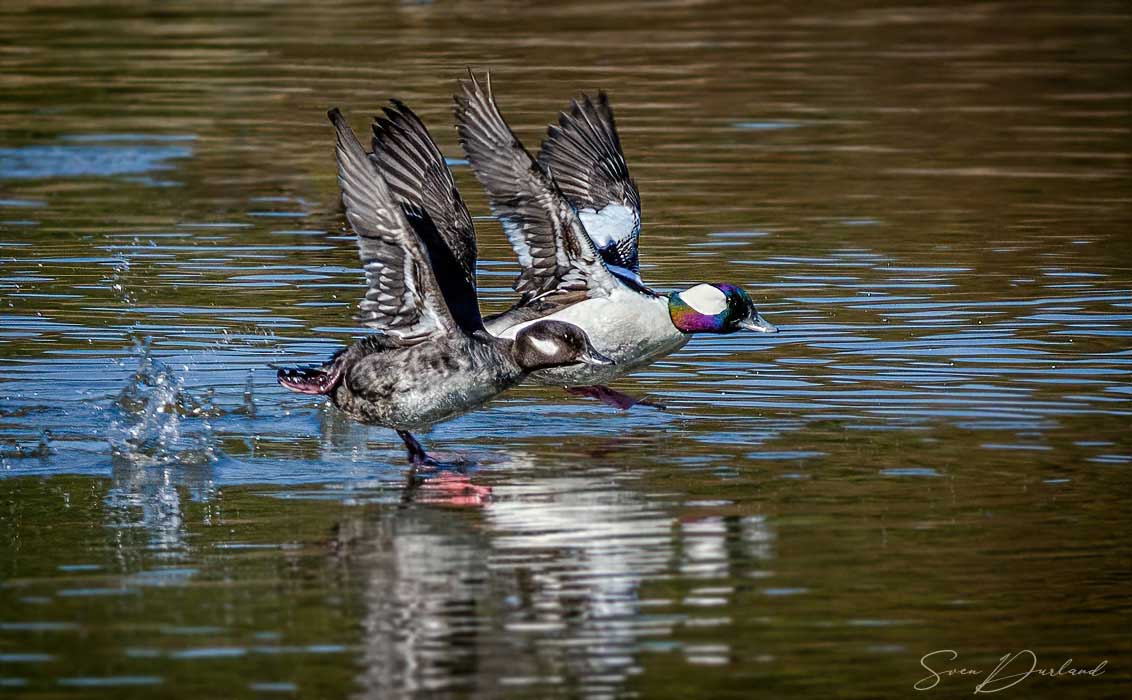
<point>631,329</point>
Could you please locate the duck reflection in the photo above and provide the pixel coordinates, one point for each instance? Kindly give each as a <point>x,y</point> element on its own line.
<point>426,577</point>
<point>714,546</point>
<point>716,551</point>
<point>582,545</point>
<point>541,586</point>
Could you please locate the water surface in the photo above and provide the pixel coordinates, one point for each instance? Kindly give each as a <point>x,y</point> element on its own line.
<point>932,203</point>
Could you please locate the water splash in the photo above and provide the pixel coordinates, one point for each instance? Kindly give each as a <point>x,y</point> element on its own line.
<point>248,406</point>
<point>159,422</point>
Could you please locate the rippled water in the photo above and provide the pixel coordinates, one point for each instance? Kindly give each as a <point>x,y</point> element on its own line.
<point>934,204</point>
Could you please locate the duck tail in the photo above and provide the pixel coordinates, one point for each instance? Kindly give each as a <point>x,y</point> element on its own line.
<point>309,380</point>
<point>313,380</point>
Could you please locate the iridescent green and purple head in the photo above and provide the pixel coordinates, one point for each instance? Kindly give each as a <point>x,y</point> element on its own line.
<point>715,308</point>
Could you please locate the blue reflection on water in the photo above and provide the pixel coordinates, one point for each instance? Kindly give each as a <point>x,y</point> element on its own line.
<point>131,155</point>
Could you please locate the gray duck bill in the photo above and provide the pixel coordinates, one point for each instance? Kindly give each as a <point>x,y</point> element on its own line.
<point>758,323</point>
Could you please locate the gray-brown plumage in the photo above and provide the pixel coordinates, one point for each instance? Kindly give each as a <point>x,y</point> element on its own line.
<point>416,172</point>
<point>431,358</point>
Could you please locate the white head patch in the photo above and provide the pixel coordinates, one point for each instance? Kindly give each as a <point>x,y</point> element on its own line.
<point>546,347</point>
<point>705,299</point>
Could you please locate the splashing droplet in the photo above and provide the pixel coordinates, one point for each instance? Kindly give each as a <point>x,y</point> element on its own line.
<point>248,408</point>
<point>155,418</point>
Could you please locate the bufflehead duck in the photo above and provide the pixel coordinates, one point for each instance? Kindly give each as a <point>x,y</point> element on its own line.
<point>573,217</point>
<point>431,358</point>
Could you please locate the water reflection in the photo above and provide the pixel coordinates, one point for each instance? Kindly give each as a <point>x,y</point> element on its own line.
<point>151,497</point>
<point>543,586</point>
<point>424,581</point>
<point>543,571</point>
<point>72,160</point>
<point>580,547</point>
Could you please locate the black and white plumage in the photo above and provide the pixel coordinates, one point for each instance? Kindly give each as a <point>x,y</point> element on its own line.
<point>575,200</point>
<point>583,155</point>
<point>554,250</point>
<point>563,276</point>
<point>430,358</point>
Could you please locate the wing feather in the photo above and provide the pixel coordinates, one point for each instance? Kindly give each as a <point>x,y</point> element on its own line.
<point>413,166</point>
<point>583,152</point>
<point>402,298</point>
<point>554,250</point>
<point>418,176</point>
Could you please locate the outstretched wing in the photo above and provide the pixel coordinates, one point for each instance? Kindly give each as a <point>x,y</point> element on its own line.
<point>583,154</point>
<point>413,166</point>
<point>403,299</point>
<point>551,242</point>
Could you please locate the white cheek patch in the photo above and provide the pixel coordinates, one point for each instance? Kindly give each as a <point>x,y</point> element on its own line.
<point>705,299</point>
<point>546,347</point>
<point>613,223</point>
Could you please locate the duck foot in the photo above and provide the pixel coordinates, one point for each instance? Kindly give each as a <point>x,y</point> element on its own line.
<point>419,458</point>
<point>417,455</point>
<point>613,398</point>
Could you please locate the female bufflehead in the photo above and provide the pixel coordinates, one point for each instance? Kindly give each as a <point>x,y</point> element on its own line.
<point>431,358</point>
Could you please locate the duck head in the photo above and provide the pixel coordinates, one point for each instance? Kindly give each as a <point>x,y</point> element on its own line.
<point>715,308</point>
<point>552,344</point>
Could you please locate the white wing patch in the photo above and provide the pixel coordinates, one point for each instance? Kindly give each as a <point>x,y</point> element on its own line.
<point>705,299</point>
<point>615,222</point>
<point>518,241</point>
